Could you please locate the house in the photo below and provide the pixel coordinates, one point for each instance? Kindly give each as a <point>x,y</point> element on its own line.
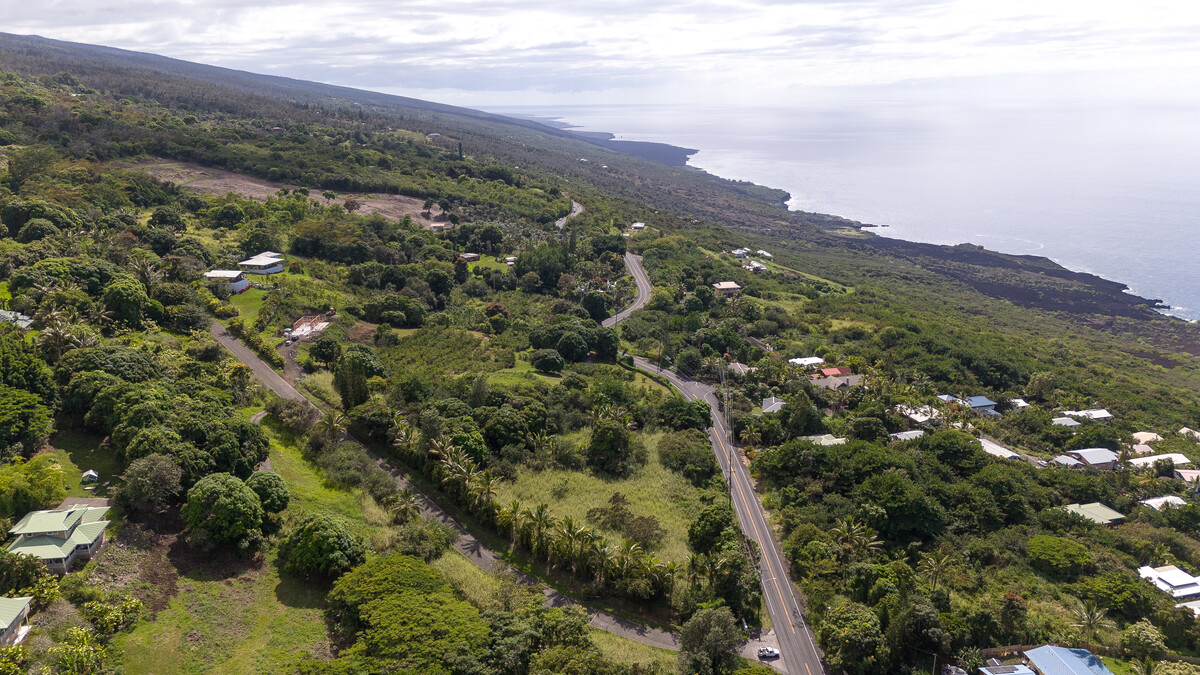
<point>1149,461</point>
<point>1019,403</point>
<point>1189,476</point>
<point>1141,449</point>
<point>1097,513</point>
<point>951,400</point>
<point>772,404</point>
<point>727,288</point>
<point>764,253</point>
<point>267,262</point>
<point>1006,670</point>
<point>1190,433</point>
<point>1068,461</point>
<point>996,450</point>
<point>13,612</point>
<point>469,257</point>
<point>831,372</point>
<point>1146,437</point>
<point>1096,414</point>
<point>982,405</point>
<point>510,260</point>
<point>638,226</point>
<point>1064,422</point>
<point>823,439</point>
<point>60,536</point>
<point>907,435</point>
<point>836,383</point>
<point>308,327</point>
<point>16,318</point>
<point>740,369</point>
<point>754,266</point>
<point>740,252</point>
<point>1163,503</point>
<point>437,227</point>
<point>1171,580</point>
<point>1096,458</point>
<point>806,361</point>
<point>236,281</point>
<point>1052,660</point>
<point>923,415</point>
<point>89,476</point>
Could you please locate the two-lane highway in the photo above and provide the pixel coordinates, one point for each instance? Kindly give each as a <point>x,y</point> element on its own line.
<point>796,643</point>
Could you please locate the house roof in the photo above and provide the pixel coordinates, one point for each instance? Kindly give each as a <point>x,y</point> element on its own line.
<point>1149,460</point>
<point>1092,414</point>
<point>10,609</point>
<point>823,439</point>
<point>57,520</point>
<point>740,368</point>
<point>1092,456</point>
<point>919,415</point>
<point>1067,460</point>
<point>17,318</point>
<point>1160,503</point>
<point>1188,475</point>
<point>1190,433</point>
<point>838,382</point>
<point>1096,512</point>
<point>263,259</point>
<point>1019,403</point>
<point>1052,660</point>
<point>1171,580</point>
<point>1064,422</point>
<point>773,404</point>
<point>806,361</point>
<point>996,450</point>
<point>223,274</point>
<point>980,401</point>
<point>947,398</point>
<point>1146,437</point>
<point>45,546</point>
<point>1018,669</point>
<point>727,286</point>
<point>1141,449</point>
<point>907,435</point>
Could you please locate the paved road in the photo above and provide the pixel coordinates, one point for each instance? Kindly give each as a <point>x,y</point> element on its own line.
<point>633,263</point>
<point>799,649</point>
<point>576,209</point>
<point>468,545</point>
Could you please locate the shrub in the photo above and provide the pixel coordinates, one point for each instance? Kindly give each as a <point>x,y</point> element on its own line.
<point>689,453</point>
<point>547,361</point>
<point>221,509</point>
<point>297,416</point>
<point>271,490</point>
<point>1058,557</point>
<point>609,450</point>
<point>322,545</point>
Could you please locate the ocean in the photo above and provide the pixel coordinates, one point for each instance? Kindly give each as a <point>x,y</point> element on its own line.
<point>1107,188</point>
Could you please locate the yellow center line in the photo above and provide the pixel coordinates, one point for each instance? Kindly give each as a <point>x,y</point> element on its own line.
<point>808,669</point>
<point>757,535</point>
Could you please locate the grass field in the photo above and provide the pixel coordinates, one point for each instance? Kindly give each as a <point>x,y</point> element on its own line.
<point>79,451</point>
<point>248,303</point>
<point>630,653</point>
<point>652,491</point>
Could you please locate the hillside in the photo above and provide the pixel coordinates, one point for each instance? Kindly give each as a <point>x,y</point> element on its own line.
<point>308,336</point>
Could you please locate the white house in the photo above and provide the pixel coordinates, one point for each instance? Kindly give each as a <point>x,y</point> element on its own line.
<point>1097,458</point>
<point>1095,414</point>
<point>754,266</point>
<point>469,257</point>
<point>1171,580</point>
<point>638,226</point>
<point>1163,503</point>
<point>996,450</point>
<point>740,252</point>
<point>1190,433</point>
<point>823,439</point>
<point>267,262</point>
<point>1068,461</point>
<point>764,253</point>
<point>1019,403</point>
<point>13,612</point>
<point>1149,460</point>
<point>923,415</point>
<point>236,281</point>
<point>806,361</point>
<point>1064,422</point>
<point>907,435</point>
<point>59,536</point>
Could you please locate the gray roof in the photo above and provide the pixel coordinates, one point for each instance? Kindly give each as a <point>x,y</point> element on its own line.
<point>773,404</point>
<point>1064,422</point>
<point>1094,455</point>
<point>17,318</point>
<point>907,435</point>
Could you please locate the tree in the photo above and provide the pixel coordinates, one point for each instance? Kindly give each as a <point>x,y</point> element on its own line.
<point>25,163</point>
<point>322,545</point>
<point>221,509</point>
<point>26,575</point>
<point>1058,557</point>
<point>404,506</point>
<point>547,361</point>
<point>1142,640</point>
<point>867,429</point>
<point>596,305</point>
<point>126,298</point>
<point>852,639</point>
<point>572,347</point>
<point>609,450</point>
<point>350,379</point>
<point>326,350</point>
<point>1090,619</point>
<point>708,642</point>
<point>23,420</point>
<point>531,282</point>
<point>934,566</point>
<point>30,485</point>
<point>271,490</point>
<point>712,527</point>
<point>152,482</point>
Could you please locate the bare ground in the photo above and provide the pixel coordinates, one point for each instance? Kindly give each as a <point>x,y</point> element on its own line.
<point>218,182</point>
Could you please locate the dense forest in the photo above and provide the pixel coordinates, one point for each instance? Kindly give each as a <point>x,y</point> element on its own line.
<point>462,368</point>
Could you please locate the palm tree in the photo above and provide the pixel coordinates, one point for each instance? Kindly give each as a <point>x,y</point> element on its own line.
<point>333,425</point>
<point>1090,619</point>
<point>750,436</point>
<point>1146,667</point>
<point>484,487</point>
<point>404,506</point>
<point>57,339</point>
<point>404,437</point>
<point>569,538</point>
<point>541,521</point>
<point>146,272</point>
<point>934,566</point>
<point>854,537</point>
<point>510,518</point>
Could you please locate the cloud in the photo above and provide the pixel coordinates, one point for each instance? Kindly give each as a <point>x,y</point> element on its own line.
<point>488,51</point>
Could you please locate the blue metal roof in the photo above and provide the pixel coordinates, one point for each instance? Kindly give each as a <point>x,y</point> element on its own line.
<point>980,401</point>
<point>1051,660</point>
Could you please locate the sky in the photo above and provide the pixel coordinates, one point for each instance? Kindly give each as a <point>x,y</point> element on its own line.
<point>506,52</point>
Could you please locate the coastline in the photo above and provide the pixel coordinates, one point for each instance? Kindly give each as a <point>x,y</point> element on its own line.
<point>681,157</point>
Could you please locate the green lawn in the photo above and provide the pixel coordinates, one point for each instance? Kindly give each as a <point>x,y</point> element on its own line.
<point>652,491</point>
<point>523,371</point>
<point>248,303</point>
<point>79,451</point>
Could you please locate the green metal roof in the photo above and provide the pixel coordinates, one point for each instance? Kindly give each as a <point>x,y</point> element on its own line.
<point>58,520</point>
<point>46,547</point>
<point>1096,512</point>
<point>10,609</point>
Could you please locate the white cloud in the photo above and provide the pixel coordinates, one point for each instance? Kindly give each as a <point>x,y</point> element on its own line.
<point>501,51</point>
